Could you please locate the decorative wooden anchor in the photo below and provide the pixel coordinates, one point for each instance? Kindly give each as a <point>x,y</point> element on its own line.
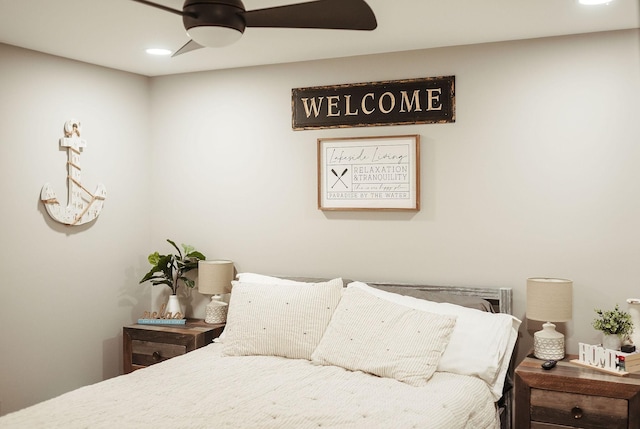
<point>83,206</point>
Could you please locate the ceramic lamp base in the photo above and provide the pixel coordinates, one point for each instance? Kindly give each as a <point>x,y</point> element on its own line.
<point>548,344</point>
<point>216,311</point>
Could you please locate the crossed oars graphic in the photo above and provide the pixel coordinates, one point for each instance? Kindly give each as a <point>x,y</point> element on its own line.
<point>83,206</point>
<point>339,178</point>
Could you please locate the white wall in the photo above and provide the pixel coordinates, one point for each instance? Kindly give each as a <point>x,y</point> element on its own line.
<point>537,177</point>
<point>66,291</point>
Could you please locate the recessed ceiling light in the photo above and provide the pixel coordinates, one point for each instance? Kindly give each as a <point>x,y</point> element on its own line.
<point>158,51</point>
<point>594,2</point>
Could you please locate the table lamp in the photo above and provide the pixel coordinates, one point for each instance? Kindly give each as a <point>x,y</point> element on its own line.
<point>549,300</point>
<point>214,278</point>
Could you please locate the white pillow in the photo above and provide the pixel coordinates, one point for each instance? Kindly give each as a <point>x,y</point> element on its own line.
<point>258,279</point>
<point>279,319</point>
<point>374,335</point>
<point>481,343</point>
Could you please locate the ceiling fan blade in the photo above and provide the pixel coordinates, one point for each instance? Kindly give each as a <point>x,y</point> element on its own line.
<point>187,47</point>
<point>329,14</point>
<point>159,6</point>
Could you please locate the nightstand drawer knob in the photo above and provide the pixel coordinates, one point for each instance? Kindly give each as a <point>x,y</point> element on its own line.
<point>577,412</point>
<point>156,356</point>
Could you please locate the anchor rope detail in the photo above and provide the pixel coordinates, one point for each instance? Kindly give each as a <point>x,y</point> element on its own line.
<point>74,165</point>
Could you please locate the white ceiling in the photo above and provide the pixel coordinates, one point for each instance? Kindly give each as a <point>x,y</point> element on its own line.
<point>115,33</point>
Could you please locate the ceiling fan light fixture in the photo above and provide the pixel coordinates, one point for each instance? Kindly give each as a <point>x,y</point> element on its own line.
<point>594,2</point>
<point>214,23</point>
<point>158,51</point>
<point>214,37</point>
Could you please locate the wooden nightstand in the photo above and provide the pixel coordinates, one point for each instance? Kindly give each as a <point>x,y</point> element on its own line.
<point>573,396</point>
<point>144,345</point>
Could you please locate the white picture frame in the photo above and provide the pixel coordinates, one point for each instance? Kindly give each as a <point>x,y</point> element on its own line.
<point>369,173</point>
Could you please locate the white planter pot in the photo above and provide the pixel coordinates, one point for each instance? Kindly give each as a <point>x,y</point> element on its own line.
<point>611,342</point>
<point>173,306</point>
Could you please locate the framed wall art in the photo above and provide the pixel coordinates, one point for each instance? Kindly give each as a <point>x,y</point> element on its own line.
<point>369,173</point>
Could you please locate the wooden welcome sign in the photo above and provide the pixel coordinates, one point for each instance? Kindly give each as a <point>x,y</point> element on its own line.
<point>399,102</point>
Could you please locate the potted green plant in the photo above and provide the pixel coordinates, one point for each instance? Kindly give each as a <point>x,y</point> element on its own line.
<point>616,326</point>
<point>170,270</point>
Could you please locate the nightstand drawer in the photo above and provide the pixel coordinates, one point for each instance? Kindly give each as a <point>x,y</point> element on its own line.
<point>147,353</point>
<point>576,410</point>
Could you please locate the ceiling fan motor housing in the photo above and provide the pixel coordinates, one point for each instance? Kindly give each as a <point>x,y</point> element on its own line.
<point>225,14</point>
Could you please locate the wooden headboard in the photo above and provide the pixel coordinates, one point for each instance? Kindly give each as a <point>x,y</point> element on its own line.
<point>500,298</point>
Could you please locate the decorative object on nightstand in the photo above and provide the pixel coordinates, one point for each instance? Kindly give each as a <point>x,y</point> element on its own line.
<point>171,269</point>
<point>549,300</point>
<point>616,362</point>
<point>634,311</point>
<point>214,278</point>
<point>615,325</point>
<point>162,317</point>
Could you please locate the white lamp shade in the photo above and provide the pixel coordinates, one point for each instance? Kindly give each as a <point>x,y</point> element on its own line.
<point>549,300</point>
<point>214,277</point>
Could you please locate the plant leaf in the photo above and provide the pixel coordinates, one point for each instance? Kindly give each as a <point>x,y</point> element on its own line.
<point>154,258</point>
<point>196,254</point>
<point>176,247</point>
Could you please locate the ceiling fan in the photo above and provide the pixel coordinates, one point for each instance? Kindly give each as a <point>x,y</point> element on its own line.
<point>216,23</point>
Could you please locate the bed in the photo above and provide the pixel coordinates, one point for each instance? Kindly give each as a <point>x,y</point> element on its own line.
<point>308,353</point>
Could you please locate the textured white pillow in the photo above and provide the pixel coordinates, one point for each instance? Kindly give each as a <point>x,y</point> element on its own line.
<point>254,278</point>
<point>279,319</point>
<point>481,343</point>
<point>374,335</point>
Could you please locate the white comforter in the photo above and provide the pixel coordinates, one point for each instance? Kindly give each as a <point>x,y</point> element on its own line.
<point>205,390</point>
